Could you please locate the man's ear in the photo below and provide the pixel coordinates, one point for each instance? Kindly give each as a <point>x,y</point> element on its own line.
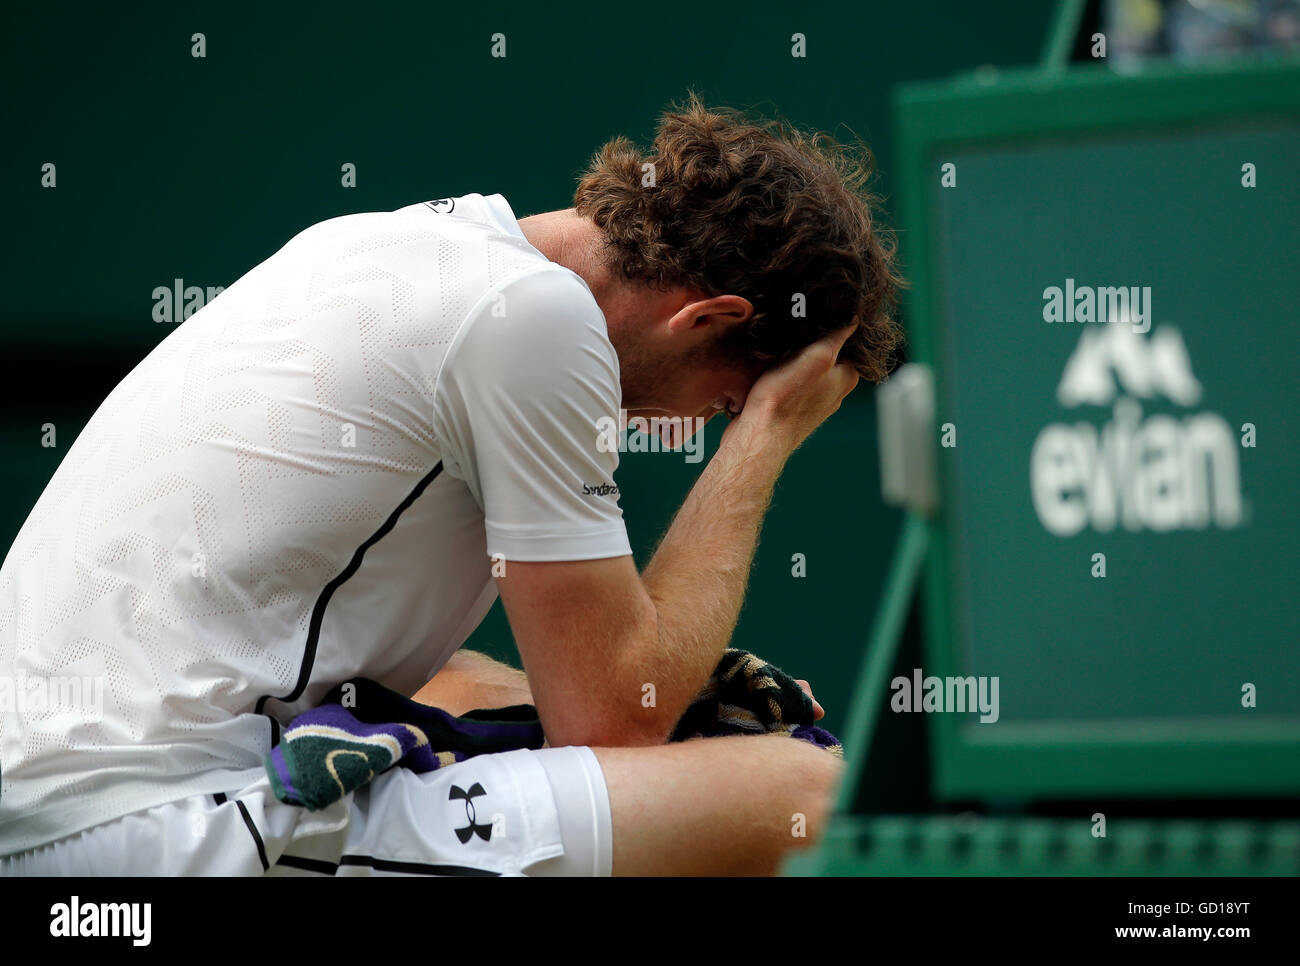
<point>718,310</point>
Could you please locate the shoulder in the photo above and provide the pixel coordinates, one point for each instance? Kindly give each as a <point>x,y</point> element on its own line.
<point>547,291</point>
<point>536,321</point>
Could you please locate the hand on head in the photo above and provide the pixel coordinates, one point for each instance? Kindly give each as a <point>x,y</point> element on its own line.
<point>797,396</point>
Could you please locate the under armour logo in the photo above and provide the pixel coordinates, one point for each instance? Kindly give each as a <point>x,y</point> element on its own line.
<point>473,828</point>
<point>443,206</point>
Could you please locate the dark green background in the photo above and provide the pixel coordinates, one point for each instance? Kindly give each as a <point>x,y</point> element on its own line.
<point>1183,617</point>
<point>170,166</point>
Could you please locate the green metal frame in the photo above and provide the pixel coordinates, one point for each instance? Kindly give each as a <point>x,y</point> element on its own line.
<point>1060,38</point>
<point>1256,757</point>
<point>901,585</point>
<point>969,845</point>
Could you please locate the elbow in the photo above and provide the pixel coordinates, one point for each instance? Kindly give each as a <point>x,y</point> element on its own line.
<point>611,732</point>
<point>636,719</point>
<point>628,737</point>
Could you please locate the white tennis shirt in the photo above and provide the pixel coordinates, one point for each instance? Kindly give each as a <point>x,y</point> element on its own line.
<point>304,482</point>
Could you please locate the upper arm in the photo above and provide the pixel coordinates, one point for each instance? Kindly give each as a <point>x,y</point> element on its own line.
<point>523,406</point>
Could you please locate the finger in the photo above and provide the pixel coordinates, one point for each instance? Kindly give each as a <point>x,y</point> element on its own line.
<point>848,379</point>
<point>837,338</point>
<point>818,711</point>
<point>826,350</point>
<point>828,346</point>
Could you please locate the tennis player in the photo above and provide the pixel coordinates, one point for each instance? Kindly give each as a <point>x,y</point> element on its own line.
<point>334,468</point>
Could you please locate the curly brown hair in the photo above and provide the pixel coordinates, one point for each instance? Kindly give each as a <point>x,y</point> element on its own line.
<point>735,205</point>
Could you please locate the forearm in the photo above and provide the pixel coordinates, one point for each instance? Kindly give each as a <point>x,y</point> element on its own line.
<point>596,636</point>
<point>698,575</point>
<point>471,680</point>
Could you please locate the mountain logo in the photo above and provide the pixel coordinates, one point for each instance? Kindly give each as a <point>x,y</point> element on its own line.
<point>1113,354</point>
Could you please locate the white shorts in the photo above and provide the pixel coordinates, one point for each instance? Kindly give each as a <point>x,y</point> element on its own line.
<point>521,812</point>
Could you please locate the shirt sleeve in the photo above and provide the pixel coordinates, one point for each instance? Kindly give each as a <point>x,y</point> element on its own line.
<point>526,408</point>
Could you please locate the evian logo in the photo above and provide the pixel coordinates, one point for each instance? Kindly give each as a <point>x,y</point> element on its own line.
<point>1160,473</point>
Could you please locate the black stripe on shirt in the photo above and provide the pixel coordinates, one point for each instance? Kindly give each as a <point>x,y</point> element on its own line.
<point>416,868</point>
<point>384,865</point>
<point>257,837</point>
<point>318,612</point>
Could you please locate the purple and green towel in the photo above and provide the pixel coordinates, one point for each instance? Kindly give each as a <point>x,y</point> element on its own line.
<point>362,729</point>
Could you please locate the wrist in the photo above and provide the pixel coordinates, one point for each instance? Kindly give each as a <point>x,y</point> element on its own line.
<point>760,429</point>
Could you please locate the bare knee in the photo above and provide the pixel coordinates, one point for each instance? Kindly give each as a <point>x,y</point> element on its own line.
<point>816,782</point>
<point>717,806</point>
<point>804,778</point>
